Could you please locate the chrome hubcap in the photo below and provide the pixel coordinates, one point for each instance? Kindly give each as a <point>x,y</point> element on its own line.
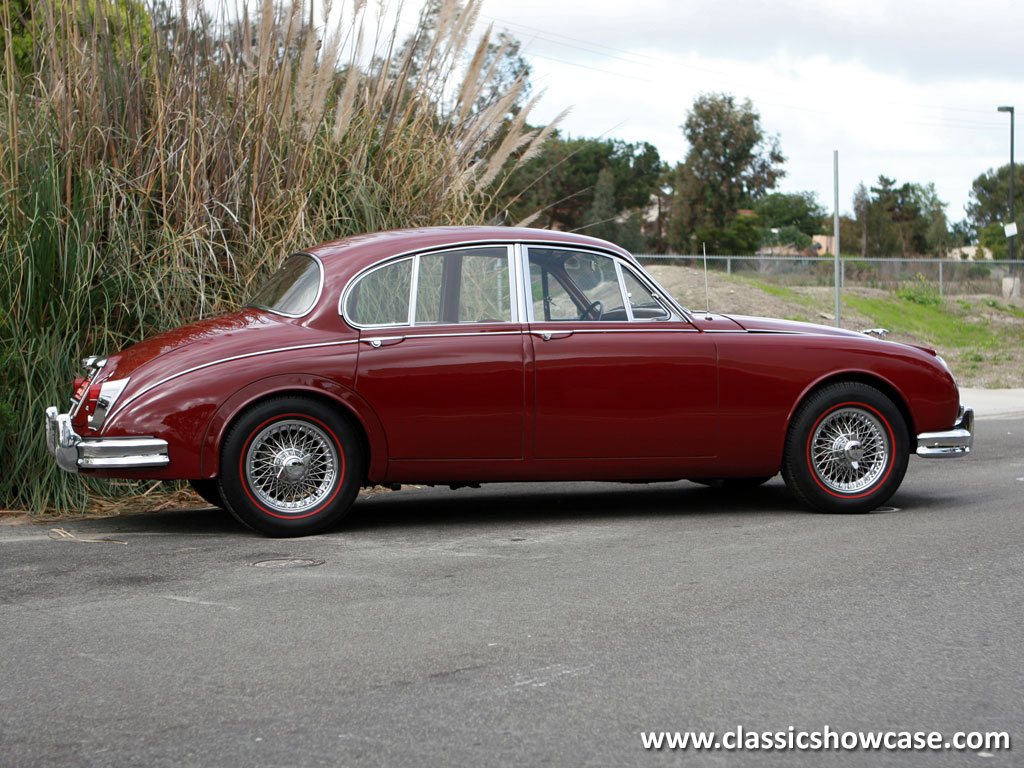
<point>291,466</point>
<point>850,450</point>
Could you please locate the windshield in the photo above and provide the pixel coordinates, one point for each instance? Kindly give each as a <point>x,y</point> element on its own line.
<point>293,289</point>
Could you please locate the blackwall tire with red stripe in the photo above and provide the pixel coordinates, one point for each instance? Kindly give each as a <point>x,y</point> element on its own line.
<point>847,449</point>
<point>290,466</point>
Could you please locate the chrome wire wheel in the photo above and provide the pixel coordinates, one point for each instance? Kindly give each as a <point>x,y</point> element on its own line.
<point>291,466</point>
<point>849,450</point>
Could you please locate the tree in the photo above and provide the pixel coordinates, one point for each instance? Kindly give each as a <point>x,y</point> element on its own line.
<point>731,164</point>
<point>993,237</point>
<point>800,210</point>
<point>789,219</point>
<point>120,25</point>
<point>900,220</point>
<point>990,196</point>
<point>560,186</point>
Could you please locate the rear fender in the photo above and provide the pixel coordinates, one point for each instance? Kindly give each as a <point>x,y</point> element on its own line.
<point>295,384</point>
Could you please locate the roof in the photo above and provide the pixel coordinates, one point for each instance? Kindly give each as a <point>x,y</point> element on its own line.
<point>361,251</point>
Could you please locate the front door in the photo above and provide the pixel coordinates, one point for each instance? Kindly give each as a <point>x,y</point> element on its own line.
<point>617,373</point>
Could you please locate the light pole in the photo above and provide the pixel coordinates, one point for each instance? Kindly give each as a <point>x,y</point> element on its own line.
<point>1009,240</point>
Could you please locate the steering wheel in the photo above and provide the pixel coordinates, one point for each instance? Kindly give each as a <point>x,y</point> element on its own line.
<point>598,305</point>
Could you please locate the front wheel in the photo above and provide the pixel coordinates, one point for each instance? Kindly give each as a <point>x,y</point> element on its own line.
<point>846,450</point>
<point>290,466</point>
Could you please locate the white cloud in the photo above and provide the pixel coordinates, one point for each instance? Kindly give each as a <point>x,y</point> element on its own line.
<point>908,89</point>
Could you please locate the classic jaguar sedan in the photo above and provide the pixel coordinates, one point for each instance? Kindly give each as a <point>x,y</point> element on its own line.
<point>470,355</point>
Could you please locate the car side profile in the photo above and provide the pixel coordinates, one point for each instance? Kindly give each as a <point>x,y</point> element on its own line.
<point>482,354</point>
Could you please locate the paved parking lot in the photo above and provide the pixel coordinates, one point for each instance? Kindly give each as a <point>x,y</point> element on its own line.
<point>534,625</point>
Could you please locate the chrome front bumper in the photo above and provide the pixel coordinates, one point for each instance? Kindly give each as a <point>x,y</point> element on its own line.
<point>74,452</point>
<point>952,443</point>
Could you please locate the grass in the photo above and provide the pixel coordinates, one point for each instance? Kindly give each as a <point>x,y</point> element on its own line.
<point>154,168</point>
<point>936,323</point>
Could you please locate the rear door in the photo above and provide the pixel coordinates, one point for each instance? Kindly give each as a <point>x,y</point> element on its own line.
<point>441,354</point>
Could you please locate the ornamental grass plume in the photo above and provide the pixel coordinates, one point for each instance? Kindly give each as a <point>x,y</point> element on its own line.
<point>155,165</point>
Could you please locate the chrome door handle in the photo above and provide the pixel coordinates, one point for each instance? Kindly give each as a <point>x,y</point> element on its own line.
<point>549,335</point>
<point>383,341</point>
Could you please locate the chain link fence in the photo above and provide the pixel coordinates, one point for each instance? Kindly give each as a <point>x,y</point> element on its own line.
<point>946,276</point>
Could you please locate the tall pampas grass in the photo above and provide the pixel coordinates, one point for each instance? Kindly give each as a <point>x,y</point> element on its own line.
<point>154,166</point>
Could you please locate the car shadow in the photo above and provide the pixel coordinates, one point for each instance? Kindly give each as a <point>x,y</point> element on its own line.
<point>555,502</point>
<point>508,503</point>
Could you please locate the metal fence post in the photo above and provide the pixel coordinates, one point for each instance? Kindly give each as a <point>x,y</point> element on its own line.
<point>940,278</point>
<point>728,266</point>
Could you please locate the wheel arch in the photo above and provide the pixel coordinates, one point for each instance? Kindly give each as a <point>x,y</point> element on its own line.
<point>880,383</point>
<point>347,403</point>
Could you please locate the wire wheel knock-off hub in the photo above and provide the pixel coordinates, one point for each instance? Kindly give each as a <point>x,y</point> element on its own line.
<point>849,449</point>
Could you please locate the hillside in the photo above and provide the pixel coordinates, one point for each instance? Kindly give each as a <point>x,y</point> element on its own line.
<point>980,336</point>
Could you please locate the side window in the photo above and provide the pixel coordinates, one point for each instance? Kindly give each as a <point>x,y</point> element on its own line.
<point>641,301</point>
<point>551,301</point>
<point>465,286</point>
<point>381,297</point>
<point>574,285</point>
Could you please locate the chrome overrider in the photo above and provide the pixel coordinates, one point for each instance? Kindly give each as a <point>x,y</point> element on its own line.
<point>73,452</point>
<point>950,443</point>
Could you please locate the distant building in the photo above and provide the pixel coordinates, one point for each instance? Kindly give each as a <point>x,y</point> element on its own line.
<point>969,253</point>
<point>824,244</point>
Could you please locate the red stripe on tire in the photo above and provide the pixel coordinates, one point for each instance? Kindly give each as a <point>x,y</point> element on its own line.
<point>245,484</point>
<point>892,452</point>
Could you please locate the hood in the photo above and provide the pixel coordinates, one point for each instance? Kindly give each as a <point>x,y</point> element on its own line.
<point>235,330</point>
<point>771,325</point>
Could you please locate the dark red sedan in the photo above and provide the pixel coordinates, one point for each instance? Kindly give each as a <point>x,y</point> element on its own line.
<point>469,355</point>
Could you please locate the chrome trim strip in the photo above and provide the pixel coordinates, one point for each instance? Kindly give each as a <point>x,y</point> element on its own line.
<point>414,280</point>
<point>523,309</point>
<point>406,337</point>
<point>949,444</point>
<point>164,380</point>
<point>636,330</point>
<point>535,332</point>
<point>319,290</point>
<point>626,304</point>
<point>127,462</point>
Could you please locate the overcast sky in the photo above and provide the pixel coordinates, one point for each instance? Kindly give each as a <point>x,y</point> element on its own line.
<point>900,87</point>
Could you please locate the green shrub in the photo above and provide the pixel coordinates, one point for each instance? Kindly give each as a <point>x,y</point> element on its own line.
<point>920,292</point>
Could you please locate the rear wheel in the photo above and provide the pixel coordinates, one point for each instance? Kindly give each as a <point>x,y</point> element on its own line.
<point>846,450</point>
<point>290,467</point>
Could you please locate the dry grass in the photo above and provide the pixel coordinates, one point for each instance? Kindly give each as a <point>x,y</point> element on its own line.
<point>153,167</point>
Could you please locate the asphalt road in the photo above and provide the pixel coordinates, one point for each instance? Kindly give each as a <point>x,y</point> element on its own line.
<point>524,625</point>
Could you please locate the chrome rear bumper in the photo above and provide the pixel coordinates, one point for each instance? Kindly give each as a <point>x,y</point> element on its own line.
<point>73,452</point>
<point>951,443</point>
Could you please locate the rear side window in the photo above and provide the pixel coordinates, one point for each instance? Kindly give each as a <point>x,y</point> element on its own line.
<point>381,297</point>
<point>465,286</point>
<point>468,285</point>
<point>293,289</point>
